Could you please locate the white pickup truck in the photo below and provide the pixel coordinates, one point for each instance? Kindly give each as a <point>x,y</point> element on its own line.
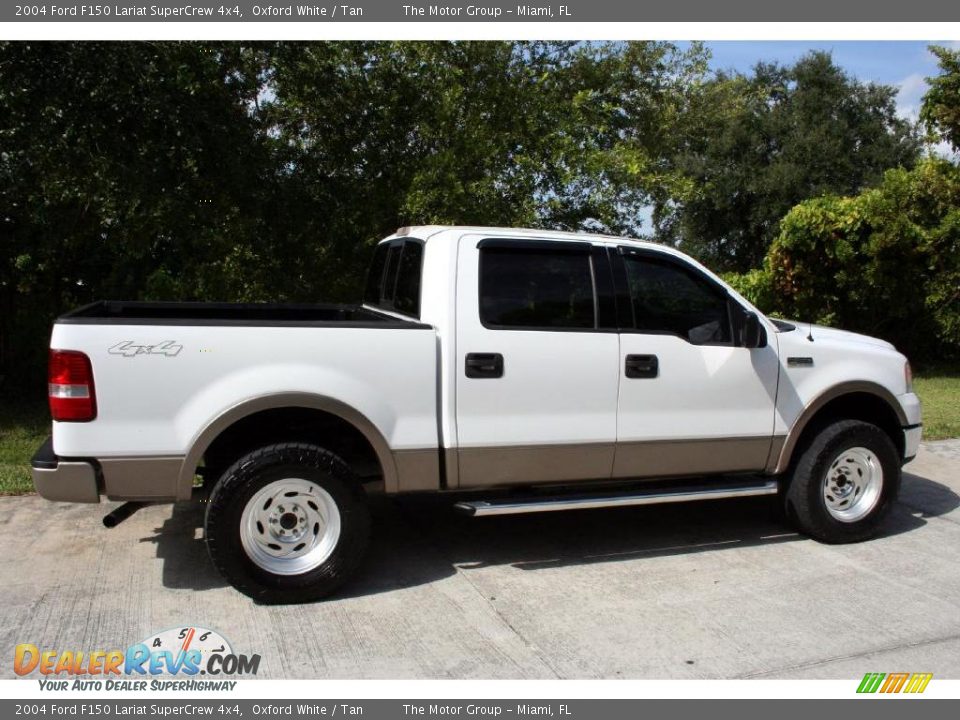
<point>574,370</point>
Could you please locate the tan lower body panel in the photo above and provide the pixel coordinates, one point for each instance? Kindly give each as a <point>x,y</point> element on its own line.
<point>776,447</point>
<point>538,464</point>
<point>417,470</point>
<point>142,478</point>
<point>528,465</point>
<point>665,458</point>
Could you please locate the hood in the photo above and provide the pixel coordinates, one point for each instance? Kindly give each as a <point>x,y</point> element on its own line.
<point>825,332</point>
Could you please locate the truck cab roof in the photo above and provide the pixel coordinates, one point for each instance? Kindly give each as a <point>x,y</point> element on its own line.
<point>427,232</point>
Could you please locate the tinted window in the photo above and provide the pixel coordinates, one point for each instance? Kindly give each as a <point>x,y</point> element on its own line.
<point>390,276</point>
<point>374,287</point>
<point>393,282</point>
<point>406,300</point>
<point>670,299</point>
<point>523,288</point>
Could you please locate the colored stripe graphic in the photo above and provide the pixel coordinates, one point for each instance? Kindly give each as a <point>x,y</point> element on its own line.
<point>187,640</point>
<point>870,682</point>
<point>894,682</point>
<point>918,682</point>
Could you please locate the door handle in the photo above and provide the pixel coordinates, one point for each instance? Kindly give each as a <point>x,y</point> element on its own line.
<point>484,365</point>
<point>641,366</point>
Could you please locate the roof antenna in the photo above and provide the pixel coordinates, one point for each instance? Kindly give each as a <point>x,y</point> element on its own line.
<point>810,331</point>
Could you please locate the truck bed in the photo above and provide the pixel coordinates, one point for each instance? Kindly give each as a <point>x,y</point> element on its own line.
<point>253,314</point>
<point>166,373</point>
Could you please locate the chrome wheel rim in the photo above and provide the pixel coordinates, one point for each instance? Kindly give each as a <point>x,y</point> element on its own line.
<point>853,484</point>
<point>290,526</point>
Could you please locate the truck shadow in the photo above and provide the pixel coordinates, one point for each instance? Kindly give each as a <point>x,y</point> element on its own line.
<point>423,540</point>
<point>180,545</point>
<point>419,540</point>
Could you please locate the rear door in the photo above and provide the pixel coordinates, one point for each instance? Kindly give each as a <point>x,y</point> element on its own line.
<point>691,401</point>
<point>538,359</point>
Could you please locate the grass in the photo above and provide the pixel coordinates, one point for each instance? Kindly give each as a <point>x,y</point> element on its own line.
<point>939,391</point>
<point>24,425</point>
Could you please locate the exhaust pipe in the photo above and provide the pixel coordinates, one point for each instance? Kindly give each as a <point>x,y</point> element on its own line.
<point>119,514</point>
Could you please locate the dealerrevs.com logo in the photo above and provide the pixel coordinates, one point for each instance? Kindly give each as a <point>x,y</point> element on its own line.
<point>156,663</point>
<point>890,683</point>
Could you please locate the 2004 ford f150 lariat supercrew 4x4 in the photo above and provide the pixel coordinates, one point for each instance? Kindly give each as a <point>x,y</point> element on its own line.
<point>573,370</point>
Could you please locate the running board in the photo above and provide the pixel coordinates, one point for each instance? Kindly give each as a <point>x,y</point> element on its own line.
<point>552,504</point>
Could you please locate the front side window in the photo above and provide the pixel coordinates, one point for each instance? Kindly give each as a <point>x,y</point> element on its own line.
<point>670,299</point>
<point>536,289</point>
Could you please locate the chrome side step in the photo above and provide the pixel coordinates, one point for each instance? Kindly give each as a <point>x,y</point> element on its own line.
<point>552,504</point>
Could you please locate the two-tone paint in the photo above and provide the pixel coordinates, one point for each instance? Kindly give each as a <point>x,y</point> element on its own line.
<point>562,412</point>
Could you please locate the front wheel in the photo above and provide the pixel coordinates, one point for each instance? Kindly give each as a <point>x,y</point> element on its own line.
<point>287,523</point>
<point>844,482</point>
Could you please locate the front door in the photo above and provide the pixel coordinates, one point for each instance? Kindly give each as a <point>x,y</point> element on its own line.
<point>690,400</point>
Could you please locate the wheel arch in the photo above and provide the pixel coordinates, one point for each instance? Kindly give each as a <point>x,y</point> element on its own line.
<point>857,400</point>
<point>302,402</point>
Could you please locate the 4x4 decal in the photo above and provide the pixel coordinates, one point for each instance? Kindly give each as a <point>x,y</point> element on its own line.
<point>128,348</point>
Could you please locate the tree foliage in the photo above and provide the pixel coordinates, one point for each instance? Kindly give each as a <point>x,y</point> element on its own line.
<point>885,262</point>
<point>265,171</point>
<point>759,144</point>
<point>941,105</point>
<point>126,170</point>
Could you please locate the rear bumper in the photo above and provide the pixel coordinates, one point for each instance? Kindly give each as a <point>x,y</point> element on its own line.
<point>56,478</point>
<point>150,479</point>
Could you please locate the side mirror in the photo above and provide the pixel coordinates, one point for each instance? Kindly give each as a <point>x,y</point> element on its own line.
<point>752,332</point>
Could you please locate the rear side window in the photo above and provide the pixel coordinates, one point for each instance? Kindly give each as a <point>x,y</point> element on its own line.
<point>534,288</point>
<point>373,291</point>
<point>670,299</point>
<point>393,281</point>
<point>406,298</point>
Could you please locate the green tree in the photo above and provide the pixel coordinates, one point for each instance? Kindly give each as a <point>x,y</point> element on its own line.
<point>265,171</point>
<point>127,170</point>
<point>885,262</point>
<point>382,134</point>
<point>940,111</point>
<point>757,145</point>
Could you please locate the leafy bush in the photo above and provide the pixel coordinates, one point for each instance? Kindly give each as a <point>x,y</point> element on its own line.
<point>885,262</point>
<point>754,285</point>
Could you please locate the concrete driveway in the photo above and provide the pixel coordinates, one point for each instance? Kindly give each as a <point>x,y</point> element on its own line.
<point>714,590</point>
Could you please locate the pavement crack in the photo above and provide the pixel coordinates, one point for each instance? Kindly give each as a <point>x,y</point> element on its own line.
<point>430,539</point>
<point>503,618</point>
<point>851,656</point>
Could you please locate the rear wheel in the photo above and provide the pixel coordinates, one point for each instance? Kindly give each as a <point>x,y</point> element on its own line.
<point>844,482</point>
<point>287,523</point>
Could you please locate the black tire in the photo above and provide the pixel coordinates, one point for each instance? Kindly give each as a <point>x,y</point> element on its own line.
<point>804,498</point>
<point>253,472</point>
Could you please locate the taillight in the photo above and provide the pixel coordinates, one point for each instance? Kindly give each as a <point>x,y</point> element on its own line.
<point>70,387</point>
